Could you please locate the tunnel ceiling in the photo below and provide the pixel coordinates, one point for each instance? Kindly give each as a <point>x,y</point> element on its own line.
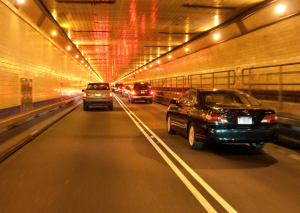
<point>118,37</point>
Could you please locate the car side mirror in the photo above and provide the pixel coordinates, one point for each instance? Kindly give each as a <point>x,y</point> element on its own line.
<point>83,90</point>
<point>173,101</point>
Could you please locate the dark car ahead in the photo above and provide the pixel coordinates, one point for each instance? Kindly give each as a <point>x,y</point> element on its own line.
<point>97,94</point>
<point>141,91</point>
<point>221,116</point>
<point>118,87</point>
<point>125,91</point>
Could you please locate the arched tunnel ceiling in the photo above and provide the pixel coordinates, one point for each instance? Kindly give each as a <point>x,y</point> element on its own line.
<point>119,36</point>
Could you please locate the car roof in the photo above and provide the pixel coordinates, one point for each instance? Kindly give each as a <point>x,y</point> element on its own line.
<point>222,90</point>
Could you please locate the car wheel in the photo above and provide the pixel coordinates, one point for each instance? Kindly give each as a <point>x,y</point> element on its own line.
<point>128,100</point>
<point>131,101</point>
<point>111,107</point>
<point>85,107</point>
<point>196,145</point>
<point>169,128</point>
<point>150,101</point>
<point>257,146</point>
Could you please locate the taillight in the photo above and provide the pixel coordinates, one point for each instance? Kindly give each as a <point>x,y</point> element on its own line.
<point>109,95</point>
<point>86,95</point>
<point>272,118</point>
<point>133,92</point>
<point>151,92</point>
<point>215,118</point>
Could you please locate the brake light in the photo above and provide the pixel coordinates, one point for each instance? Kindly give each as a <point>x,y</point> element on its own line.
<point>133,92</point>
<point>151,92</point>
<point>215,118</point>
<point>109,95</point>
<point>272,118</point>
<point>142,83</point>
<point>86,95</point>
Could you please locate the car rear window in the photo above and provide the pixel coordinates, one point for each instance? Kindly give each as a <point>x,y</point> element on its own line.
<point>142,86</point>
<point>98,86</point>
<point>229,98</point>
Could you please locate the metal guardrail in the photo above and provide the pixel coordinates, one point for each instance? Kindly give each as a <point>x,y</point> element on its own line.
<point>214,76</point>
<point>280,83</point>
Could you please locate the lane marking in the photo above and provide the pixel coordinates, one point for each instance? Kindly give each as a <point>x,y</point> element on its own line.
<point>188,184</point>
<point>210,190</point>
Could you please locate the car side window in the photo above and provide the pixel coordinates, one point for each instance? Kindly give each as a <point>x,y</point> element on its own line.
<point>192,97</point>
<point>184,98</point>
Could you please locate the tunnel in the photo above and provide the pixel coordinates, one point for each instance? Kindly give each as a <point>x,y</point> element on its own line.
<point>59,155</point>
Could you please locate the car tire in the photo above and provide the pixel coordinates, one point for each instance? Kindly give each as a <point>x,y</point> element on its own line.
<point>196,145</point>
<point>257,146</point>
<point>111,107</point>
<point>131,101</point>
<point>128,100</point>
<point>85,107</point>
<point>150,101</point>
<point>169,128</point>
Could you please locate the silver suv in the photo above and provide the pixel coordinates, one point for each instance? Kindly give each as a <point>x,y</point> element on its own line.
<point>97,94</point>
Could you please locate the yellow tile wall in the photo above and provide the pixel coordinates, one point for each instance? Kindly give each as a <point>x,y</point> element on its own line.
<point>272,45</point>
<point>25,53</point>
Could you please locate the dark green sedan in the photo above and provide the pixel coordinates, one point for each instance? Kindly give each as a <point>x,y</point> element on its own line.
<point>221,116</point>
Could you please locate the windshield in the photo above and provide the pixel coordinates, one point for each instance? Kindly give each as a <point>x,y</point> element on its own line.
<point>142,86</point>
<point>98,86</point>
<point>234,98</point>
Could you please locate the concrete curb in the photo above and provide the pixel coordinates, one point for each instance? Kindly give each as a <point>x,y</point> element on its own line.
<point>5,154</point>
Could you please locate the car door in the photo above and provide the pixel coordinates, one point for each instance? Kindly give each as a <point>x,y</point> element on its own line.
<point>181,112</point>
<point>187,107</point>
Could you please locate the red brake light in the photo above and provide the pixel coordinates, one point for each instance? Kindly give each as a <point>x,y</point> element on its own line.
<point>86,95</point>
<point>272,118</point>
<point>142,83</point>
<point>132,92</point>
<point>151,92</point>
<point>215,118</point>
<point>109,95</point>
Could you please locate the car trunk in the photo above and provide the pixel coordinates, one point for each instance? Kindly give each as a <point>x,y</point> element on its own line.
<point>243,116</point>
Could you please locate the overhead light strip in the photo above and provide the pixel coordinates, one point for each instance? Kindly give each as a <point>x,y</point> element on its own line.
<point>85,2</point>
<point>208,7</point>
<point>170,33</point>
<point>86,31</point>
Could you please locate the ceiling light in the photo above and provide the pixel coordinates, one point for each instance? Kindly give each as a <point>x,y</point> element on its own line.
<point>82,61</point>
<point>54,33</point>
<point>216,20</point>
<point>21,1</point>
<point>145,68</point>
<point>158,61</point>
<point>170,56</point>
<point>68,48</point>
<point>186,49</point>
<point>77,56</point>
<point>216,36</point>
<point>150,65</point>
<point>280,8</point>
<point>86,65</point>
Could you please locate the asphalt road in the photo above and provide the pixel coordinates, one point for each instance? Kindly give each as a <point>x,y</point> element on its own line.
<point>101,161</point>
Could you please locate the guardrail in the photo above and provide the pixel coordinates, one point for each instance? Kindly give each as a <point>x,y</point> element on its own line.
<point>272,75</point>
<point>213,77</point>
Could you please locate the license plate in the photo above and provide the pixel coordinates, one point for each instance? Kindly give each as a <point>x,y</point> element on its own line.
<point>244,120</point>
<point>142,91</point>
<point>97,94</point>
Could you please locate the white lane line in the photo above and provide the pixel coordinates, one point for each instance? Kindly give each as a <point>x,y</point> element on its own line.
<point>189,169</point>
<point>188,184</point>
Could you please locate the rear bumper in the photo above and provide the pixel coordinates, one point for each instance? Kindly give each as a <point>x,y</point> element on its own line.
<point>98,102</point>
<point>239,135</point>
<point>142,97</point>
